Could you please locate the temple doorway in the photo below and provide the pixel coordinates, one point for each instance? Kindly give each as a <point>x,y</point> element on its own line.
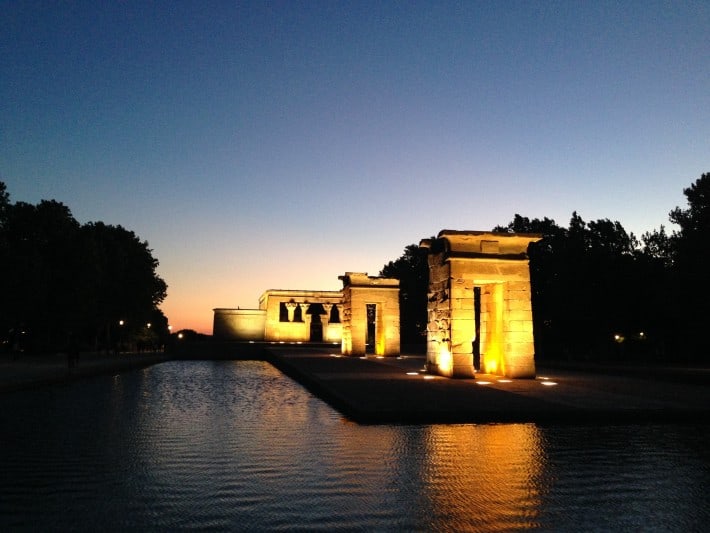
<point>371,328</point>
<point>316,332</point>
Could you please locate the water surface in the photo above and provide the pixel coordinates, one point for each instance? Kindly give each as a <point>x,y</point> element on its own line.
<point>235,445</point>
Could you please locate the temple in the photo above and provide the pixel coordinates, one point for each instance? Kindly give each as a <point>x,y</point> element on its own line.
<point>363,318</point>
<point>479,309</point>
<point>479,304</point>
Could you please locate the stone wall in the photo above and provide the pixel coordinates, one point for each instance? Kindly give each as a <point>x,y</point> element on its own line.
<point>496,263</point>
<point>359,291</point>
<point>239,324</point>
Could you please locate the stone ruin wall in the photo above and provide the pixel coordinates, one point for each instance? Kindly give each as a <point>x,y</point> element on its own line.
<point>506,330</point>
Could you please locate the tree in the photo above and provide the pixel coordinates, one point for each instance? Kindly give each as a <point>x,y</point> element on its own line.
<point>62,283</point>
<point>689,247</point>
<point>412,271</point>
<point>590,282</point>
<point>122,283</point>
<point>39,263</point>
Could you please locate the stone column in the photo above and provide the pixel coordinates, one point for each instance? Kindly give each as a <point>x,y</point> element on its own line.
<point>291,308</point>
<point>305,317</point>
<point>325,319</point>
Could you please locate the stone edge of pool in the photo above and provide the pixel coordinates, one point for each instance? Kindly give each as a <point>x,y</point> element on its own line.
<point>390,398</point>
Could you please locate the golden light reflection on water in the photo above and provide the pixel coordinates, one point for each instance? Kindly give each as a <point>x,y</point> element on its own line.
<point>484,477</point>
<point>238,446</point>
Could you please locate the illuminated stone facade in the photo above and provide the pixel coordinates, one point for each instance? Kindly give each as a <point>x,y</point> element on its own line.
<point>370,315</point>
<point>362,318</point>
<point>284,316</point>
<point>479,281</point>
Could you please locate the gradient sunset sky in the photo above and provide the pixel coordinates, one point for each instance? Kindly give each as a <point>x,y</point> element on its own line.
<point>260,145</point>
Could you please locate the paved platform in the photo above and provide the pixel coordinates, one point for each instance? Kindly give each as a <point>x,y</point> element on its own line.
<point>396,390</point>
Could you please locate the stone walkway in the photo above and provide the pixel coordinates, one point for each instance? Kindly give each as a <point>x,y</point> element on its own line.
<point>390,390</point>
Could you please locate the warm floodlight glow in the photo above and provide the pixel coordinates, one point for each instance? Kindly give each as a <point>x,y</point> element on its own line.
<point>445,361</point>
<point>548,383</point>
<point>505,380</point>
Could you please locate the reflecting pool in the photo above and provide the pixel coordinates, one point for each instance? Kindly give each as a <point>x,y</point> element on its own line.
<point>235,445</point>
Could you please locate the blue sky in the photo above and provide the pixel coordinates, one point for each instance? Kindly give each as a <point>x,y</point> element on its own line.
<point>261,145</point>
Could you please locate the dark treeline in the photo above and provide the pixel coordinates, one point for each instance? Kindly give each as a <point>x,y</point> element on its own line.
<point>599,293</point>
<point>65,286</point>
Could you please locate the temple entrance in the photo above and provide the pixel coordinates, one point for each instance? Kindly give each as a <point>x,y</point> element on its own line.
<point>479,304</point>
<point>477,328</point>
<point>316,328</point>
<point>371,339</point>
<point>370,315</point>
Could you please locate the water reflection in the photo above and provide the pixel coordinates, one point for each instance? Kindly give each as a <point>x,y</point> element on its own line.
<point>238,446</point>
<point>484,477</point>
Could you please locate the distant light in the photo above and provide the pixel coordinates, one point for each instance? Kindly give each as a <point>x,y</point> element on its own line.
<point>251,342</point>
<point>505,380</point>
<point>180,335</point>
<point>148,324</point>
<point>548,383</point>
<point>121,322</point>
<point>543,377</point>
<point>380,357</point>
<point>412,373</point>
<point>428,376</point>
<point>482,382</point>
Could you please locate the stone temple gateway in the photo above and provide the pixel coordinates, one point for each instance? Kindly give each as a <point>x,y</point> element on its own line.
<point>470,270</point>
<point>479,309</point>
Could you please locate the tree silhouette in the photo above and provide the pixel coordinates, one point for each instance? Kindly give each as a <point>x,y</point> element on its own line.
<point>689,247</point>
<point>65,284</point>
<point>412,271</point>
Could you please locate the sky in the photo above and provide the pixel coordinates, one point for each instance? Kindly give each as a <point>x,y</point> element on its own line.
<point>273,145</point>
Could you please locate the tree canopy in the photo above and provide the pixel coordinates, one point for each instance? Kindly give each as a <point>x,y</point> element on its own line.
<point>598,292</point>
<point>65,284</point>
